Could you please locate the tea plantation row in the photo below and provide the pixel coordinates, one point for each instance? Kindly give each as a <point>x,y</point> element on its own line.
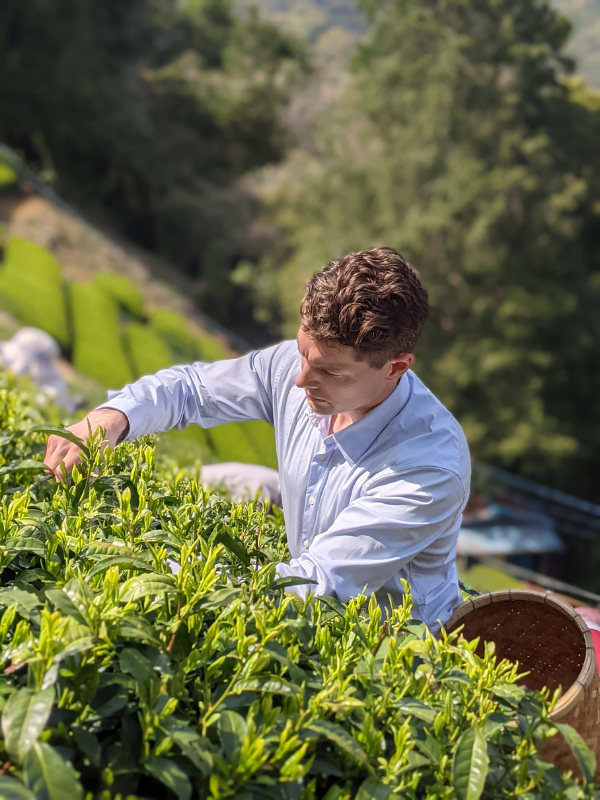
<point>125,677</point>
<point>103,325</point>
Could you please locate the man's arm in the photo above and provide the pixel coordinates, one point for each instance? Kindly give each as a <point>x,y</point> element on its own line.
<point>409,518</point>
<point>205,394</point>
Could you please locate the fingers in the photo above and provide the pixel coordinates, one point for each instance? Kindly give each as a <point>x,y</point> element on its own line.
<point>61,457</point>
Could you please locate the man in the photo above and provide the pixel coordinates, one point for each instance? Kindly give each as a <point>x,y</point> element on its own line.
<point>374,471</point>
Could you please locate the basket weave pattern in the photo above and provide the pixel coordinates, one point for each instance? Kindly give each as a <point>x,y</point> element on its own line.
<point>553,644</point>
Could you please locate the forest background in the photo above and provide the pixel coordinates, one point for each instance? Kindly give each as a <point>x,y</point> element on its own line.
<point>248,145</point>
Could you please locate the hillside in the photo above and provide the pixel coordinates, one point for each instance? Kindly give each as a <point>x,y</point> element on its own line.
<point>113,316</point>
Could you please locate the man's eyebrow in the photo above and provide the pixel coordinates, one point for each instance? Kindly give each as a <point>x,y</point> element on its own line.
<point>326,368</point>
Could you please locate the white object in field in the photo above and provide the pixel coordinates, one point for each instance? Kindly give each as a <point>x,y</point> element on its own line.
<point>244,481</point>
<point>32,352</point>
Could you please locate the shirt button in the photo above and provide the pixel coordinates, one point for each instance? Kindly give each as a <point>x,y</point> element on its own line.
<point>305,543</point>
<point>311,501</point>
<point>321,456</point>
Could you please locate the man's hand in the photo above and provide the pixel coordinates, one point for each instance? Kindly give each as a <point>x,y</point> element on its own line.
<point>59,449</point>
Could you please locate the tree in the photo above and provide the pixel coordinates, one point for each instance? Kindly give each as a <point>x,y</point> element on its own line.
<point>150,110</point>
<point>459,144</point>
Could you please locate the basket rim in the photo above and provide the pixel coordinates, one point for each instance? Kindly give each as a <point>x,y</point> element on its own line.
<point>574,694</point>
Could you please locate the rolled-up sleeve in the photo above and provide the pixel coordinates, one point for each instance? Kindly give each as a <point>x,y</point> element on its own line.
<point>401,517</point>
<point>232,390</point>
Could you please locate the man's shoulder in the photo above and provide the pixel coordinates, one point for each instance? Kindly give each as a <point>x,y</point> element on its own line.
<point>279,355</point>
<point>281,363</point>
<point>428,435</point>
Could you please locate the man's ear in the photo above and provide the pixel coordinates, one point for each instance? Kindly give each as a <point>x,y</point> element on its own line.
<point>399,365</point>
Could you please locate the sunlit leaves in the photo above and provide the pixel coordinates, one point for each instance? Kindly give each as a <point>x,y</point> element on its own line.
<point>123,678</point>
<point>24,718</point>
<point>470,765</point>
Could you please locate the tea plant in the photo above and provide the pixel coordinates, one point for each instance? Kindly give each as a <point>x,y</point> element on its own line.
<point>148,651</point>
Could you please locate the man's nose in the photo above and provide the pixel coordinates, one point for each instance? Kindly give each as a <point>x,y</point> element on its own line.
<point>305,379</point>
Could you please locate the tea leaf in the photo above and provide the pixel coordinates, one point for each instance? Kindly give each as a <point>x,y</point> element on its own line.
<point>373,789</point>
<point>63,602</point>
<point>11,789</point>
<point>27,465</point>
<point>510,692</point>
<point>271,683</point>
<point>48,776</point>
<point>417,708</point>
<point>125,560</point>
<point>190,743</point>
<point>586,760</point>
<point>88,744</point>
<point>170,774</point>
<point>55,430</point>
<point>340,737</point>
<point>134,664</point>
<point>144,585</point>
<point>470,765</point>
<point>137,628</point>
<point>100,549</point>
<point>290,580</point>
<point>235,546</point>
<point>220,598</point>
<point>232,730</point>
<point>25,544</point>
<point>26,601</point>
<point>24,717</point>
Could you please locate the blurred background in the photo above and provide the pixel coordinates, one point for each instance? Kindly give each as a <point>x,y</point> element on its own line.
<point>172,172</point>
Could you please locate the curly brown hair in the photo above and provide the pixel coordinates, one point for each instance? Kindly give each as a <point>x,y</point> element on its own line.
<point>372,301</point>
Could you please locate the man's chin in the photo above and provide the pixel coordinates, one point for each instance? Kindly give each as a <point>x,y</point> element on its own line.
<point>317,404</point>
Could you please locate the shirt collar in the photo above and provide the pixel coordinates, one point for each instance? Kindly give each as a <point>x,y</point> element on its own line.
<point>355,440</point>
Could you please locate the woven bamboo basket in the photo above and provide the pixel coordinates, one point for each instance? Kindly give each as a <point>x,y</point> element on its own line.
<point>553,644</point>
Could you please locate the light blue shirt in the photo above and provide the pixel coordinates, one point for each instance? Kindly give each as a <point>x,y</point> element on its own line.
<point>376,502</point>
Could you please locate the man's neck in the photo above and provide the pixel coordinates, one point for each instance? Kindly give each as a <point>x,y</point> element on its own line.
<point>340,421</point>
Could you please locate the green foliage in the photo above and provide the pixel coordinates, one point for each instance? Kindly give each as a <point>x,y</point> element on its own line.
<point>8,176</point>
<point>174,329</point>
<point>210,349</point>
<point>186,448</point>
<point>152,111</point>
<point>122,291</point>
<point>262,438</point>
<point>230,443</point>
<point>147,350</point>
<point>31,288</point>
<point>483,578</point>
<point>459,144</point>
<point>123,679</point>
<point>98,346</point>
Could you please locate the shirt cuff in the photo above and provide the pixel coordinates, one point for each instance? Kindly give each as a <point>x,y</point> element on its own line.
<point>132,410</point>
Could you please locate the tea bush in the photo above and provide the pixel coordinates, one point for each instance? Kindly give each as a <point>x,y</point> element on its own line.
<point>262,438</point>
<point>148,651</point>
<point>148,352</point>
<point>98,346</point>
<point>112,351</point>
<point>209,349</point>
<point>173,329</point>
<point>230,443</point>
<point>31,288</point>
<point>122,291</point>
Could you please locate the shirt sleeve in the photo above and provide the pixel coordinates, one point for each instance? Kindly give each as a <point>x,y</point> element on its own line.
<point>233,390</point>
<point>401,518</point>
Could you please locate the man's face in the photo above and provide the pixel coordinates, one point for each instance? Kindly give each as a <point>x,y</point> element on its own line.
<point>336,383</point>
